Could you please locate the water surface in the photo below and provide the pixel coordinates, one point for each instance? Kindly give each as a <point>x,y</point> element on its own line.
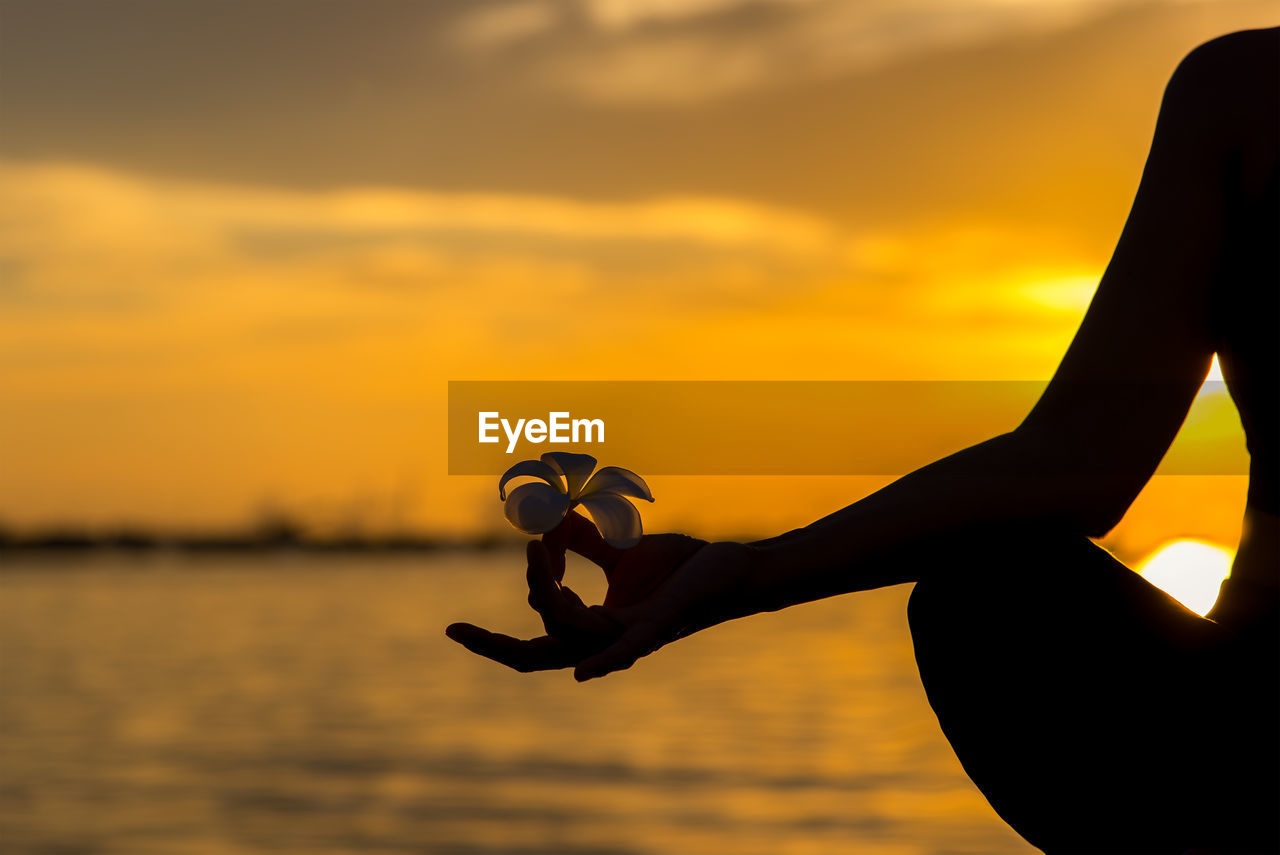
<point>304,704</point>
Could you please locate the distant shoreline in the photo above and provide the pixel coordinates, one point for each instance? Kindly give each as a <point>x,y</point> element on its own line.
<point>75,543</point>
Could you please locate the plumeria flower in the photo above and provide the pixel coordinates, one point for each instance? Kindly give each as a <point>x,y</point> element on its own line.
<point>536,508</point>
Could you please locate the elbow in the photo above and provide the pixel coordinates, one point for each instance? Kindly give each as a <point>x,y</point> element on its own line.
<point>1083,512</point>
<point>1074,488</point>
<point>1100,521</point>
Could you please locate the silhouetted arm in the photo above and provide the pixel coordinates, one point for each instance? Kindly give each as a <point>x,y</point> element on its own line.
<point>1116,401</point>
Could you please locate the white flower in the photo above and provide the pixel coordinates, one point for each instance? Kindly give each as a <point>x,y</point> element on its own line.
<point>536,508</point>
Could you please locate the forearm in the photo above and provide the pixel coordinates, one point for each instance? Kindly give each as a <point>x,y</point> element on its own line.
<point>887,537</point>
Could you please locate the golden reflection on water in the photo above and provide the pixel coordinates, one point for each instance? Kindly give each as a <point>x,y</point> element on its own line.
<point>313,705</point>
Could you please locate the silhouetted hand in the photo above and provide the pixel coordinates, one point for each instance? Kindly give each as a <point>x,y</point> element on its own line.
<point>665,587</point>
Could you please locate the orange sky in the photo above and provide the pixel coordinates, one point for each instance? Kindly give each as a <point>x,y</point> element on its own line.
<point>243,248</point>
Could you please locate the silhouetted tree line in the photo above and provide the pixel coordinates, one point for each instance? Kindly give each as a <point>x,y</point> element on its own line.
<point>280,534</point>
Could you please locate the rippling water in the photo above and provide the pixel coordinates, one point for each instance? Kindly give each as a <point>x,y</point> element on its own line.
<point>301,704</point>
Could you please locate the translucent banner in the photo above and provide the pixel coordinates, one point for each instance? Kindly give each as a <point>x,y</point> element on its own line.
<point>776,427</point>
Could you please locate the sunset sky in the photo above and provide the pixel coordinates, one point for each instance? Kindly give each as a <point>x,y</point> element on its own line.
<point>244,246</point>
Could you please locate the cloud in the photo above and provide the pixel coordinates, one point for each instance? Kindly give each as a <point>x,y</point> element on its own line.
<point>688,51</point>
<point>80,230</point>
<point>126,280</point>
<point>627,14</point>
<point>740,102</point>
<point>159,334</point>
<point>103,267</point>
<point>506,24</point>
<point>95,206</point>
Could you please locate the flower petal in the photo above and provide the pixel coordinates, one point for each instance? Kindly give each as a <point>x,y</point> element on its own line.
<point>576,468</point>
<point>537,469</point>
<point>618,481</point>
<point>617,519</point>
<point>535,508</point>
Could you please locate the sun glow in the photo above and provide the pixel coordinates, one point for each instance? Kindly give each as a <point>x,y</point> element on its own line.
<point>1062,294</point>
<point>1215,371</point>
<point>1190,570</point>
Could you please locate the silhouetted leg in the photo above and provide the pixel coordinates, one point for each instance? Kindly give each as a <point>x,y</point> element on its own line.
<point>1086,704</point>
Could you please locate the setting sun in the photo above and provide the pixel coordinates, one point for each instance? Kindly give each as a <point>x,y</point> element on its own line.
<point>1190,570</point>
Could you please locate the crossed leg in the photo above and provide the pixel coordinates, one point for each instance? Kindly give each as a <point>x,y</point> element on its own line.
<point>1094,711</point>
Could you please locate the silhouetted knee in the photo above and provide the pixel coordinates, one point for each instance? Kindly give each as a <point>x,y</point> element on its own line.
<point>979,566</point>
<point>966,608</point>
<point>982,574</point>
<point>1026,645</point>
<point>932,609</point>
<point>1007,611</point>
<point>988,628</point>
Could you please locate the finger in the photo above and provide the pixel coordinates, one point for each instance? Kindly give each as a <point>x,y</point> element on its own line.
<point>571,597</point>
<point>544,593</point>
<point>563,612</point>
<point>640,639</point>
<point>556,541</point>
<point>536,654</point>
<point>605,615</point>
<point>579,534</point>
